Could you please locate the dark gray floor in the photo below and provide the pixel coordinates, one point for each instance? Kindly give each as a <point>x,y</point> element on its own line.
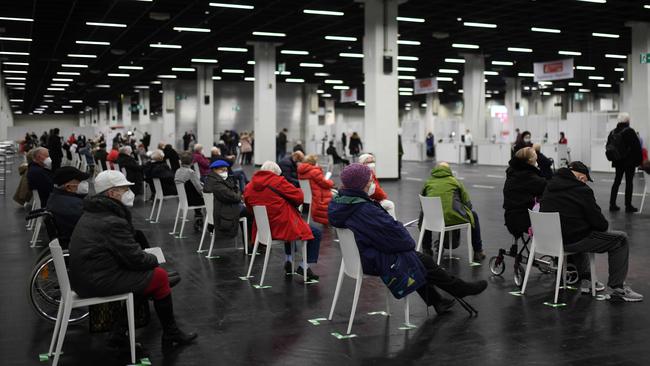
<point>240,325</point>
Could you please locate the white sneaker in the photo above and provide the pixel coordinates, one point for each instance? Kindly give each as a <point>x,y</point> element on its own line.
<point>625,294</point>
<point>585,286</point>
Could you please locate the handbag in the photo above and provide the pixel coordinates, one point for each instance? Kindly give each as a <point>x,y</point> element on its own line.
<point>401,279</point>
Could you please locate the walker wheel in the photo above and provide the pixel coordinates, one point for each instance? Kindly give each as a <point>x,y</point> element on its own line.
<point>497,265</point>
<point>519,275</point>
<point>546,268</point>
<point>572,276</point>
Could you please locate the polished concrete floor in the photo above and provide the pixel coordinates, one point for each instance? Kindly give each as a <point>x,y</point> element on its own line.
<point>241,325</point>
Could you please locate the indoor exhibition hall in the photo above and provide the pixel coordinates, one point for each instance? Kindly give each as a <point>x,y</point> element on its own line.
<point>324,182</point>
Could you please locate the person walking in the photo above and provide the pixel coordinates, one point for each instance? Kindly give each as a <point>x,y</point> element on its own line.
<point>55,149</point>
<point>623,149</point>
<point>281,144</point>
<point>469,144</point>
<point>355,145</point>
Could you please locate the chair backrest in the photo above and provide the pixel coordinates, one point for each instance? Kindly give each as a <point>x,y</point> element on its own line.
<point>36,200</point>
<point>262,223</point>
<point>123,170</point>
<point>434,217</point>
<point>208,198</point>
<point>182,195</point>
<point>196,169</point>
<point>547,233</point>
<point>158,186</point>
<point>99,167</point>
<point>59,267</point>
<point>306,190</point>
<point>350,252</point>
<point>116,166</point>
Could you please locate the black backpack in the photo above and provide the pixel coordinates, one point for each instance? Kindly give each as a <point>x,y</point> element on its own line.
<point>615,148</point>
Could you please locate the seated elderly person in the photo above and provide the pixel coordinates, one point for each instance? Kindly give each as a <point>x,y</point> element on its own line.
<point>106,259</point>
<point>281,199</point>
<point>289,167</point>
<point>158,168</point>
<point>133,170</point>
<point>376,192</point>
<point>200,160</point>
<point>584,229</point>
<point>321,188</point>
<point>39,175</point>
<point>456,206</point>
<point>386,247</point>
<point>66,200</point>
<point>193,186</point>
<point>238,174</point>
<point>227,200</point>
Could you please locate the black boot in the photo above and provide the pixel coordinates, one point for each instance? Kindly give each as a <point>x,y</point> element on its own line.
<point>457,287</point>
<point>172,335</point>
<point>432,297</point>
<point>174,278</point>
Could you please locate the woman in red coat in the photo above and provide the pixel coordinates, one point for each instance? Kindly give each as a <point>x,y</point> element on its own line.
<point>320,188</point>
<point>281,199</point>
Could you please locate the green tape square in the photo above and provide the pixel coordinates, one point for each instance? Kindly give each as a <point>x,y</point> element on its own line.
<point>379,313</point>
<point>316,321</point>
<point>602,297</point>
<point>475,264</point>
<point>516,293</point>
<point>213,257</point>
<point>43,357</point>
<point>245,278</point>
<point>341,336</point>
<point>407,326</point>
<point>553,305</point>
<point>569,288</point>
<point>311,282</point>
<point>261,287</point>
<point>145,362</point>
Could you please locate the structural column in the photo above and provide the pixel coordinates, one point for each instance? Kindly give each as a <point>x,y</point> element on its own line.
<point>380,68</point>
<point>638,74</point>
<point>169,112</point>
<point>205,106</point>
<point>310,119</point>
<point>144,110</point>
<point>512,97</point>
<point>126,110</point>
<point>433,103</point>
<point>82,119</point>
<point>102,111</point>
<point>264,102</point>
<point>474,96</point>
<point>112,113</point>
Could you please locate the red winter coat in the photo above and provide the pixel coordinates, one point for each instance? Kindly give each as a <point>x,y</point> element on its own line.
<point>320,191</point>
<point>379,194</point>
<point>202,161</point>
<point>284,218</point>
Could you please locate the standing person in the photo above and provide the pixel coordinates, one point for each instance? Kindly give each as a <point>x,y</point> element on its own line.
<point>186,141</point>
<point>45,138</point>
<point>246,148</point>
<point>281,144</point>
<point>469,144</point>
<point>523,140</point>
<point>331,150</point>
<point>355,145</point>
<point>344,141</point>
<point>430,148</point>
<point>55,149</point>
<point>146,140</point>
<point>563,140</point>
<point>623,149</point>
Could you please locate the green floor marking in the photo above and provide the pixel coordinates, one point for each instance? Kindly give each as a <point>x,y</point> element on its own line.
<point>340,336</point>
<point>261,287</point>
<point>553,305</point>
<point>407,326</point>
<point>516,293</point>
<point>379,313</point>
<point>316,321</point>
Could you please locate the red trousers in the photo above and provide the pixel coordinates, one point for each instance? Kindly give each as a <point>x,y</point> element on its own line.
<point>159,286</point>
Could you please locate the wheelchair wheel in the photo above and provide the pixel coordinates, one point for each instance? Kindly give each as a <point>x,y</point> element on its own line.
<point>520,272</point>
<point>546,268</point>
<point>44,293</point>
<point>497,265</point>
<point>572,276</point>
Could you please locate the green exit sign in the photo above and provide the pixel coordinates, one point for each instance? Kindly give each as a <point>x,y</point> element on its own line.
<point>645,58</point>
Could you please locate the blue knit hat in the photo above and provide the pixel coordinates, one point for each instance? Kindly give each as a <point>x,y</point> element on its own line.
<point>355,176</point>
<point>219,164</point>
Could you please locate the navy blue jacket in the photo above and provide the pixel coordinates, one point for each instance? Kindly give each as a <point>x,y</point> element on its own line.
<point>67,209</point>
<point>381,239</point>
<point>289,170</point>
<point>40,179</point>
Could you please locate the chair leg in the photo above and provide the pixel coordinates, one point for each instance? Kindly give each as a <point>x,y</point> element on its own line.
<point>37,231</point>
<point>211,246</point>
<point>266,261</point>
<point>293,257</point>
<point>180,233</point>
<point>304,262</point>
<point>205,230</point>
<point>388,294</point>
<point>529,267</point>
<point>441,246</point>
<point>250,266</point>
<point>339,282</point>
<point>245,233</point>
<point>57,325</point>
<point>159,208</point>
<point>592,267</point>
<point>130,313</point>
<point>178,211</point>
<point>418,248</point>
<point>407,311</point>
<point>355,300</point>
<point>559,277</point>
<point>153,209</point>
<point>67,309</point>
<point>470,249</point>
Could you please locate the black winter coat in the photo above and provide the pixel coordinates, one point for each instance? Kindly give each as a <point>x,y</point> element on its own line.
<point>523,184</point>
<point>67,209</point>
<point>40,179</point>
<point>634,155</point>
<point>576,203</point>
<point>227,205</point>
<point>54,146</point>
<point>105,258</point>
<point>160,170</point>
<point>545,166</point>
<point>133,171</point>
<point>289,170</point>
<point>172,156</point>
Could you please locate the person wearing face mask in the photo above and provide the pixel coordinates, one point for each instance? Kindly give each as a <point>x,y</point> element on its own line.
<point>523,140</point>
<point>66,200</point>
<point>39,174</point>
<point>383,242</point>
<point>376,192</point>
<point>106,258</point>
<point>585,229</point>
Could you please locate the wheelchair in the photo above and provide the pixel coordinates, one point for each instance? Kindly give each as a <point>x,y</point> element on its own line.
<point>43,288</point>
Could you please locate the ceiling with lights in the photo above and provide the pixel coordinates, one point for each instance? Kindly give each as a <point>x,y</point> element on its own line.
<point>59,56</point>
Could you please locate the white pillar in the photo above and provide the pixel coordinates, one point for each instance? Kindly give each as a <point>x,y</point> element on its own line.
<point>126,110</point>
<point>82,119</point>
<point>474,96</point>
<point>639,75</point>
<point>88,117</point>
<point>205,106</point>
<point>144,110</point>
<point>381,119</point>
<point>310,120</point>
<point>265,99</point>
<point>102,111</point>
<point>433,102</point>
<point>512,97</point>
<point>169,111</point>
<point>112,113</point>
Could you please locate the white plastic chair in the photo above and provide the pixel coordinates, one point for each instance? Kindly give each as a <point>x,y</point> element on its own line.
<point>434,220</point>
<point>84,164</point>
<point>36,204</point>
<point>98,167</point>
<point>70,300</point>
<point>184,207</point>
<point>547,239</point>
<point>208,198</point>
<point>307,197</point>
<point>158,197</point>
<point>646,182</point>
<point>264,236</point>
<point>351,266</point>
<point>196,169</point>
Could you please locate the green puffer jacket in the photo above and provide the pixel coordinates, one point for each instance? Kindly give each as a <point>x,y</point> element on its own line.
<point>456,203</point>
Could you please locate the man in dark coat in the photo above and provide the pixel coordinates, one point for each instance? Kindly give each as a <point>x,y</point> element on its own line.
<point>101,155</point>
<point>584,229</point>
<point>383,242</point>
<point>227,200</point>
<point>289,167</point>
<point>106,259</point>
<point>55,149</point>
<point>331,150</point>
<point>157,168</point>
<point>627,164</point>
<point>133,170</point>
<point>39,175</point>
<point>66,200</point>
<point>172,156</point>
<point>281,144</point>
<point>146,140</point>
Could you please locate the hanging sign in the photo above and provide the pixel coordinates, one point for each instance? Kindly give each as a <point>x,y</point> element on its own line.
<point>349,95</point>
<point>554,70</point>
<point>425,86</point>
